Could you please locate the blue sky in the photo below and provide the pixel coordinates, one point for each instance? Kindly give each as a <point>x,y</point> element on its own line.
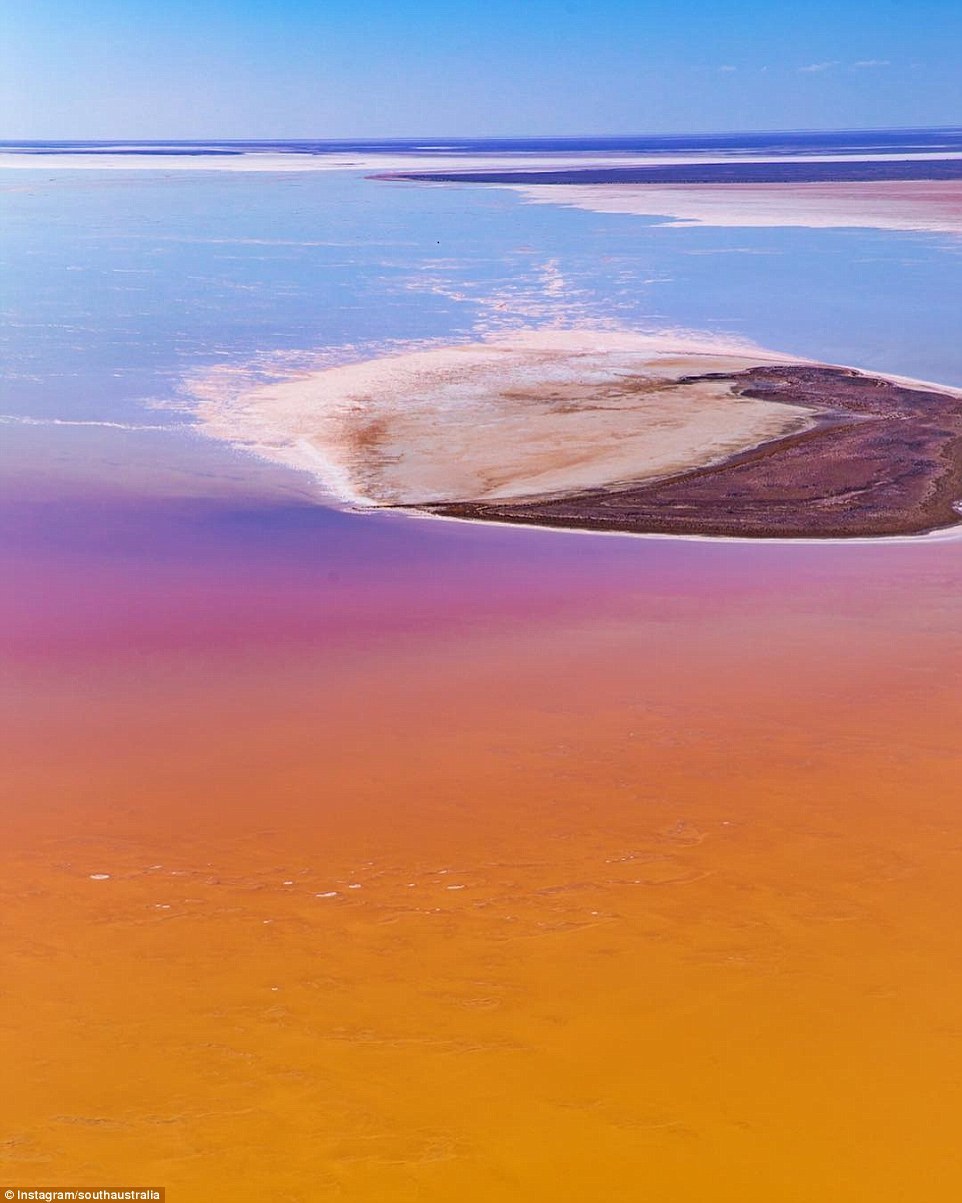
<point>309,68</point>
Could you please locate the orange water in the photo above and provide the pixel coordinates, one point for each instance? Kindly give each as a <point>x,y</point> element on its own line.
<point>659,884</point>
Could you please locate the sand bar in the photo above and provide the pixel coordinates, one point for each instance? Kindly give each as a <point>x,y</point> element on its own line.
<point>615,431</point>
<point>925,205</point>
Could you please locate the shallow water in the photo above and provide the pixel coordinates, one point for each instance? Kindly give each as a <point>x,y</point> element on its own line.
<point>700,799</point>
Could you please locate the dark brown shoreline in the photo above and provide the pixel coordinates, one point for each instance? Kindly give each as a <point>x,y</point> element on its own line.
<point>883,459</point>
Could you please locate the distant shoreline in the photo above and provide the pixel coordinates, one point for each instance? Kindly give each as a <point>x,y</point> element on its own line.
<point>733,171</point>
<point>922,194</point>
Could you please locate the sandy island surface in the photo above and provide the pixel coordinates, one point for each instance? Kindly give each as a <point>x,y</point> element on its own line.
<point>615,431</point>
<point>535,415</point>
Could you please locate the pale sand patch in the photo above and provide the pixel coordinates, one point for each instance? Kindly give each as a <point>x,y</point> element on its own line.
<point>536,414</point>
<point>928,205</point>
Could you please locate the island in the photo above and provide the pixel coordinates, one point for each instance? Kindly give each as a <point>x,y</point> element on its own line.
<point>615,431</point>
